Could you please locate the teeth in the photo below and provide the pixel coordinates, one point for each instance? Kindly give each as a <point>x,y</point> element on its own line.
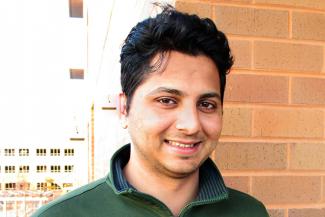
<point>181,144</point>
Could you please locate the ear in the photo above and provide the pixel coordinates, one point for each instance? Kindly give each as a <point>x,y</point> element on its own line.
<point>122,100</point>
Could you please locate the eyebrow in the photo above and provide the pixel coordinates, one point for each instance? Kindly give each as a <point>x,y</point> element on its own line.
<point>167,90</point>
<point>180,93</point>
<point>211,95</point>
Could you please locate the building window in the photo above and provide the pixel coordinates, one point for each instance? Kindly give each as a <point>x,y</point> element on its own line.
<point>55,169</point>
<point>41,186</point>
<point>55,152</point>
<point>23,186</point>
<point>67,185</point>
<point>10,186</point>
<point>41,152</point>
<point>24,152</point>
<point>68,168</point>
<point>24,169</point>
<point>10,169</point>
<point>55,186</point>
<point>69,152</point>
<point>41,169</point>
<point>76,74</point>
<point>9,152</point>
<point>76,8</point>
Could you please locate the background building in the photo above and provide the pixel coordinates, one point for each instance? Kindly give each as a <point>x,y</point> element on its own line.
<point>44,167</point>
<point>45,102</point>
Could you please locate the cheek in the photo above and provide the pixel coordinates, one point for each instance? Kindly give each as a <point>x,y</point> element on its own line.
<point>159,121</point>
<point>150,120</point>
<point>212,126</point>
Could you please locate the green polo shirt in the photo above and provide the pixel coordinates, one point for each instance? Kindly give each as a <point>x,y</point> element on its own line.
<point>113,196</point>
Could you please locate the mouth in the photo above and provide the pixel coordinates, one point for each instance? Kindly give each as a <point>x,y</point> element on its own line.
<point>182,144</point>
<point>183,148</point>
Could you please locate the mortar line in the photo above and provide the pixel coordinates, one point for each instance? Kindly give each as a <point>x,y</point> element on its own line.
<point>296,206</point>
<point>278,73</point>
<point>279,40</point>
<point>288,156</point>
<point>322,189</point>
<point>269,140</point>
<point>261,6</point>
<point>291,7</point>
<point>252,47</point>
<point>323,69</point>
<point>324,123</point>
<point>290,90</point>
<point>252,122</point>
<point>266,105</point>
<point>250,185</point>
<point>274,173</point>
<point>286,212</point>
<point>213,11</point>
<point>290,23</point>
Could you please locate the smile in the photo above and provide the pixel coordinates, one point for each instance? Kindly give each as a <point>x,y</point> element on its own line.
<point>182,145</point>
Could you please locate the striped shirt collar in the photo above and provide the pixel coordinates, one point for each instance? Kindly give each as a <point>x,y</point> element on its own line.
<point>211,184</point>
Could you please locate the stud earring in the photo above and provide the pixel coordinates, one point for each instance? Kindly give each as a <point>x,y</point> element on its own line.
<point>124,123</point>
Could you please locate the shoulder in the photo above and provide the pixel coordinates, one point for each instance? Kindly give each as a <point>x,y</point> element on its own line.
<point>70,202</point>
<point>245,204</point>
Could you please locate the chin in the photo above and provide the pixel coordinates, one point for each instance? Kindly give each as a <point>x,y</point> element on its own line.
<point>182,172</point>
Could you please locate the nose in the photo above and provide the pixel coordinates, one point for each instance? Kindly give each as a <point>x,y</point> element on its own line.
<point>188,121</point>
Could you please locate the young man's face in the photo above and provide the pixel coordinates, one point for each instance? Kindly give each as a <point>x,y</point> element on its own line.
<point>175,117</point>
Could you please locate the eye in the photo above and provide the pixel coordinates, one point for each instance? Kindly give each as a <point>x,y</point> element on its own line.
<point>207,107</point>
<point>165,101</point>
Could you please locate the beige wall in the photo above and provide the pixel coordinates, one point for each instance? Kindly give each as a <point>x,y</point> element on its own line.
<point>273,142</point>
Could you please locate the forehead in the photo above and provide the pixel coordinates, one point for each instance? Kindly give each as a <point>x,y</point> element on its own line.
<point>184,71</point>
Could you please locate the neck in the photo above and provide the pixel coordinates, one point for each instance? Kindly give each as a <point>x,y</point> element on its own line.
<point>163,187</point>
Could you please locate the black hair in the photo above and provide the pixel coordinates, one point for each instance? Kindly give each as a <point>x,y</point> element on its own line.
<point>171,30</point>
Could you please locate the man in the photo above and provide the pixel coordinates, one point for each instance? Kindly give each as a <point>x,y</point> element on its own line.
<point>173,75</point>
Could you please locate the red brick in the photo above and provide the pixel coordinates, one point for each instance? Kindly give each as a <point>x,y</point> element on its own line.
<point>252,22</point>
<point>276,212</point>
<point>308,91</point>
<point>312,212</point>
<point>236,121</point>
<point>251,156</point>
<point>308,26</point>
<point>307,156</point>
<point>242,52</point>
<point>315,4</point>
<point>201,9</point>
<point>240,183</point>
<point>288,56</point>
<point>257,89</point>
<point>287,189</point>
<point>293,123</point>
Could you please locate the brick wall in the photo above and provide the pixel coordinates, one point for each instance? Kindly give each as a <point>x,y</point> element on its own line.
<point>273,141</point>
